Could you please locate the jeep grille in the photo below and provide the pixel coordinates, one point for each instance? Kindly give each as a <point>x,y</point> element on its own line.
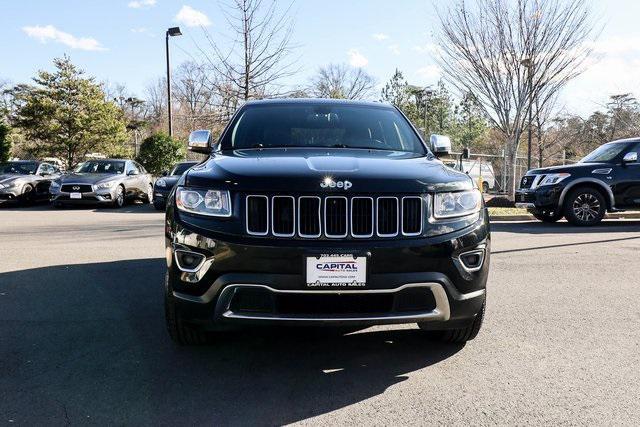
<point>334,217</point>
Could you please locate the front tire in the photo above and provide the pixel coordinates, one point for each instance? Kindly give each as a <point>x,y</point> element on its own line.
<point>149,196</point>
<point>458,335</point>
<point>159,206</point>
<point>585,206</point>
<point>548,215</point>
<point>118,199</point>
<point>27,197</point>
<point>181,332</point>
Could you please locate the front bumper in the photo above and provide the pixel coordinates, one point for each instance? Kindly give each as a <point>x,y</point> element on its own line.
<point>244,280</point>
<point>539,198</point>
<point>160,195</point>
<point>8,195</point>
<point>100,197</point>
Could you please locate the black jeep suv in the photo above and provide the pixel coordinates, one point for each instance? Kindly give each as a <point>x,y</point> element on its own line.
<point>608,179</point>
<point>323,212</point>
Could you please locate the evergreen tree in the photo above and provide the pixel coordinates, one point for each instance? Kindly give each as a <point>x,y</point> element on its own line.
<point>5,142</point>
<point>159,152</point>
<point>65,114</point>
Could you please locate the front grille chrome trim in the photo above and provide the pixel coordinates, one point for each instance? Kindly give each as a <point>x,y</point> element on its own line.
<point>346,217</point>
<point>373,218</point>
<point>293,218</point>
<point>378,217</point>
<point>246,208</point>
<point>311,236</point>
<point>418,233</point>
<point>304,213</point>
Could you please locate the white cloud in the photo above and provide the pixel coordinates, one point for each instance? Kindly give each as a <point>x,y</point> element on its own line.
<point>140,4</point>
<point>51,33</point>
<point>394,49</point>
<point>606,73</point>
<point>430,72</point>
<point>356,59</point>
<point>380,36</point>
<point>429,48</point>
<point>192,18</point>
<point>142,30</point>
<point>616,45</point>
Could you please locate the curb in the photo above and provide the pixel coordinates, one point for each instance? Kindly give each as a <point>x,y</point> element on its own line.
<point>516,218</point>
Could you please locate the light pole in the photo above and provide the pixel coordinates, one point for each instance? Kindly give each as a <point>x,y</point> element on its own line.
<point>421,94</point>
<point>427,94</point>
<point>171,32</point>
<point>528,63</point>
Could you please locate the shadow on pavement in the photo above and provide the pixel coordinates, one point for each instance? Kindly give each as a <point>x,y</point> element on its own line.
<point>87,343</point>
<point>562,227</point>
<point>129,207</point>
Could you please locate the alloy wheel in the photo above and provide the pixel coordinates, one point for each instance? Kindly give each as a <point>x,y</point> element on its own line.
<point>586,207</point>
<point>119,197</point>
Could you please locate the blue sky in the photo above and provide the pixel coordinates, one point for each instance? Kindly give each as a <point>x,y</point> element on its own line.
<point>122,41</point>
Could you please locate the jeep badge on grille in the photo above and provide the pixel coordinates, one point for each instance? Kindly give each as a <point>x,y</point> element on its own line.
<point>330,183</point>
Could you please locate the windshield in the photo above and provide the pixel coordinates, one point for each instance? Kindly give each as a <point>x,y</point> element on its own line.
<point>19,168</point>
<point>181,168</point>
<point>605,153</point>
<point>322,126</point>
<point>102,166</point>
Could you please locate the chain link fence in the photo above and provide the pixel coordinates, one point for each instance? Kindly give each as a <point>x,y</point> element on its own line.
<point>490,171</point>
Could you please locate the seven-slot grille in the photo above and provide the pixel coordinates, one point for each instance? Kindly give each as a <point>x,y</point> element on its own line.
<point>334,217</point>
<point>531,181</point>
<point>76,188</point>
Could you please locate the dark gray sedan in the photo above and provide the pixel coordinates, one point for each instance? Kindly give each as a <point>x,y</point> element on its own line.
<point>103,182</point>
<point>26,181</point>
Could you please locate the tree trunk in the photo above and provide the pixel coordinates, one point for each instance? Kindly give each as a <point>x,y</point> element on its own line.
<point>512,162</point>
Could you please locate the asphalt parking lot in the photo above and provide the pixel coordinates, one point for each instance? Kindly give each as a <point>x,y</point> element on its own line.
<point>82,338</point>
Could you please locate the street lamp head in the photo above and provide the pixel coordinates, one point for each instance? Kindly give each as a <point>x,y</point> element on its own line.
<point>174,31</point>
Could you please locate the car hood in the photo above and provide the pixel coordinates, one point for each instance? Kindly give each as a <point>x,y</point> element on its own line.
<point>569,168</point>
<point>89,178</point>
<point>10,178</point>
<point>303,170</point>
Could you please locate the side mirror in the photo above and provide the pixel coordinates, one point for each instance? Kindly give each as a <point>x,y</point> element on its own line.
<point>200,141</point>
<point>132,173</point>
<point>440,145</point>
<point>165,173</point>
<point>630,157</point>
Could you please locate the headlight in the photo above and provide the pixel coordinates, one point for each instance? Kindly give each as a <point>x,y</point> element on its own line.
<point>554,178</point>
<point>203,202</point>
<point>161,183</point>
<point>55,185</point>
<point>2,186</point>
<point>103,185</point>
<point>8,185</point>
<point>461,203</point>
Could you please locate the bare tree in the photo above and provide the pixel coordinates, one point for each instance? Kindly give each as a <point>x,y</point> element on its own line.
<point>342,81</point>
<point>508,52</point>
<point>259,56</point>
<point>156,102</point>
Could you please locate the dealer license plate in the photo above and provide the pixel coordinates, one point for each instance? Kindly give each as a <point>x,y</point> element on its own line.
<point>336,271</point>
<point>75,195</point>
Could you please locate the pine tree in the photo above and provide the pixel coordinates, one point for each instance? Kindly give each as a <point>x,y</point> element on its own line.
<point>65,114</point>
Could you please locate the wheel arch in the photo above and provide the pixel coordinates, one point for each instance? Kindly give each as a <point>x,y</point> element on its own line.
<point>591,183</point>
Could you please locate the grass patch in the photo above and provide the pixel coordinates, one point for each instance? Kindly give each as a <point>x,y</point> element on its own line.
<point>507,211</point>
